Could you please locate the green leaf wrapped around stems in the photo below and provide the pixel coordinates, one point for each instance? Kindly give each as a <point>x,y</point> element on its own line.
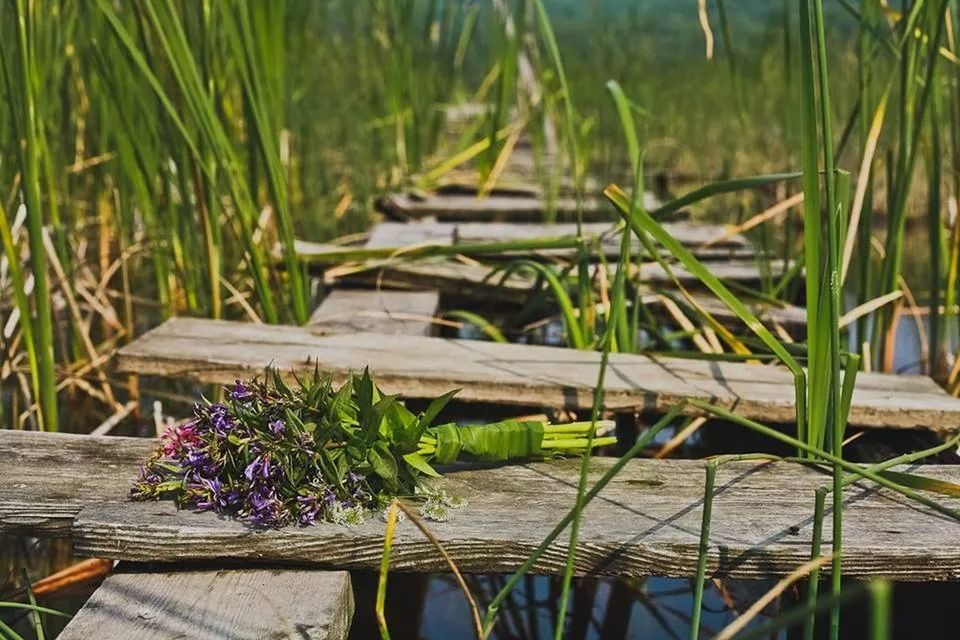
<point>510,439</point>
<point>723,186</point>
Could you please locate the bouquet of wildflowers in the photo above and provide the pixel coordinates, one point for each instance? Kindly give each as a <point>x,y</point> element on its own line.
<point>273,454</point>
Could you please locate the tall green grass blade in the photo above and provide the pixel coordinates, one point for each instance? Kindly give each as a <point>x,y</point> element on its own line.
<point>23,303</point>
<point>881,609</point>
<point>574,332</point>
<point>487,327</point>
<point>721,187</point>
<point>640,222</point>
<point>494,607</point>
<point>31,181</point>
<point>696,606</point>
<point>251,40</point>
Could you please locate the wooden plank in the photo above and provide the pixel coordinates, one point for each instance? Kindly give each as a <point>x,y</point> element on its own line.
<point>400,234</point>
<point>380,311</point>
<point>645,522</point>
<point>42,489</point>
<point>501,207</point>
<point>516,374</point>
<point>235,604</point>
<point>791,317</point>
<point>445,273</point>
<point>465,280</point>
<point>456,278</point>
<point>447,276</point>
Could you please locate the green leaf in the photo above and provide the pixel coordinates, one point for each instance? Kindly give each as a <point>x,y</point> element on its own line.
<point>559,290</point>
<point>383,463</point>
<point>402,426</point>
<point>922,482</point>
<point>418,462</point>
<point>436,406</point>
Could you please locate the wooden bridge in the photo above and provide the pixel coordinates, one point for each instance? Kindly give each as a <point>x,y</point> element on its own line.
<point>182,573</point>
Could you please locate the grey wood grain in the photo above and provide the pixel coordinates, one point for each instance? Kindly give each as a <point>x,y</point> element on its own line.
<point>465,280</point>
<point>234,604</point>
<point>437,272</point>
<point>645,522</point>
<point>46,478</point>
<point>516,374</point>
<point>382,311</point>
<point>690,234</point>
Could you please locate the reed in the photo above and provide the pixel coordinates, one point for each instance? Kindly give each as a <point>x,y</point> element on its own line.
<point>25,87</point>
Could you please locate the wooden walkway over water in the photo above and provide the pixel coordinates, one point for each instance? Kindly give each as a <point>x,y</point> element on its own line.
<point>184,573</point>
<point>645,522</point>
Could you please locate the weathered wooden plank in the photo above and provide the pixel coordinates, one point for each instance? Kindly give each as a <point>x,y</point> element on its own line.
<point>381,311</point>
<point>462,279</point>
<point>692,235</point>
<point>239,604</point>
<point>501,207</point>
<point>645,522</point>
<point>43,488</point>
<point>465,280</point>
<point>515,374</point>
<point>441,272</point>
<point>447,276</point>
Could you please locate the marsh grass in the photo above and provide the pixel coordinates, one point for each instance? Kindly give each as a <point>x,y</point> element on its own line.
<point>169,146</point>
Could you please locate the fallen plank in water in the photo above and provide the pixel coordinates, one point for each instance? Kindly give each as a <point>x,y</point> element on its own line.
<point>646,521</point>
<point>515,374</point>
<point>505,208</point>
<point>239,604</point>
<point>689,234</point>
<point>380,311</point>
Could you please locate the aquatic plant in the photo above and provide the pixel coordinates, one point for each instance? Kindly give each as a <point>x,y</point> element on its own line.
<point>273,454</point>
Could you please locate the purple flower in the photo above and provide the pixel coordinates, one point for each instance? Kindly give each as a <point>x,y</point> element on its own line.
<point>200,463</point>
<point>149,476</point>
<point>329,497</point>
<point>309,509</point>
<point>277,427</point>
<point>214,496</point>
<point>260,466</point>
<point>265,508</point>
<point>240,392</point>
<point>221,419</point>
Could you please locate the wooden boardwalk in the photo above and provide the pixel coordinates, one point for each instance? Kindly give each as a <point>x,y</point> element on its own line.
<point>645,522</point>
<point>157,603</point>
<point>515,374</point>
